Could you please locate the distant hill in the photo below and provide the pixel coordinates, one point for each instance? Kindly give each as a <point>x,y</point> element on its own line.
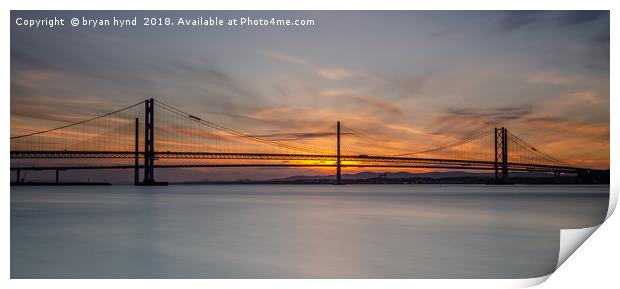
<point>449,177</point>
<point>407,175</point>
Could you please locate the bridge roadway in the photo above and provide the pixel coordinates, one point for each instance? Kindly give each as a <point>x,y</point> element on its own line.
<point>359,161</point>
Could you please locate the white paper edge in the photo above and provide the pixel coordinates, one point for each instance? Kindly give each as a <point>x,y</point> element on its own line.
<point>571,240</point>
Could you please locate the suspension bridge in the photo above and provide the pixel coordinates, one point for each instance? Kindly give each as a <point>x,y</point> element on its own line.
<point>151,134</point>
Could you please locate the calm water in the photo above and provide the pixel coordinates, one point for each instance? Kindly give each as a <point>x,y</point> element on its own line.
<point>320,231</point>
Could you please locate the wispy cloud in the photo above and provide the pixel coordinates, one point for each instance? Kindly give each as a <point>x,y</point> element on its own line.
<point>378,103</point>
<point>513,20</point>
<point>326,72</point>
<point>296,136</point>
<point>580,17</point>
<point>287,57</point>
<point>341,73</point>
<point>487,116</point>
<point>554,78</point>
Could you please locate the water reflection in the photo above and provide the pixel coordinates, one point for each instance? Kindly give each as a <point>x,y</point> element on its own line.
<point>416,231</point>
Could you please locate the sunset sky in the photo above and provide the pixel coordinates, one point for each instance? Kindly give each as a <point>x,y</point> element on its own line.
<point>414,79</point>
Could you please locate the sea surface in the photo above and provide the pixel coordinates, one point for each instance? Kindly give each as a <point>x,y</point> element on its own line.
<point>296,231</point>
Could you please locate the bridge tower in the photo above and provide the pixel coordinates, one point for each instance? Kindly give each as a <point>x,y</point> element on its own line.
<point>501,154</point>
<point>338,171</point>
<point>149,143</point>
<point>136,168</point>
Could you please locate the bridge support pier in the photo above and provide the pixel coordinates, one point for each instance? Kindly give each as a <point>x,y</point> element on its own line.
<point>338,168</point>
<point>18,173</point>
<point>57,175</point>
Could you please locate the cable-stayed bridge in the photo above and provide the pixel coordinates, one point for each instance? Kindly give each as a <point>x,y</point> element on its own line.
<point>151,134</point>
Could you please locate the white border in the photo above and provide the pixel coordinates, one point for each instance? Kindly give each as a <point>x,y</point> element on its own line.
<point>602,256</point>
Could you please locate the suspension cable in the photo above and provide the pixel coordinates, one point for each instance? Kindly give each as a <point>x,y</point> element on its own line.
<point>234,132</point>
<point>465,140</point>
<point>77,123</point>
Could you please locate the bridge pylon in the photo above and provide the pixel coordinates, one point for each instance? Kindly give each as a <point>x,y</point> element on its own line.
<point>149,144</point>
<point>338,168</point>
<point>501,155</point>
<point>136,168</point>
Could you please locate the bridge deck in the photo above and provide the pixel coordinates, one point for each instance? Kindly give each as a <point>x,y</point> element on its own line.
<point>347,161</point>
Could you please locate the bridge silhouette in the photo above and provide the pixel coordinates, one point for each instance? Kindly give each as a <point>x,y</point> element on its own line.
<point>151,134</point>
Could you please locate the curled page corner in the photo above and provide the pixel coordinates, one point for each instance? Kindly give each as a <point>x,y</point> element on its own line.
<point>571,239</point>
